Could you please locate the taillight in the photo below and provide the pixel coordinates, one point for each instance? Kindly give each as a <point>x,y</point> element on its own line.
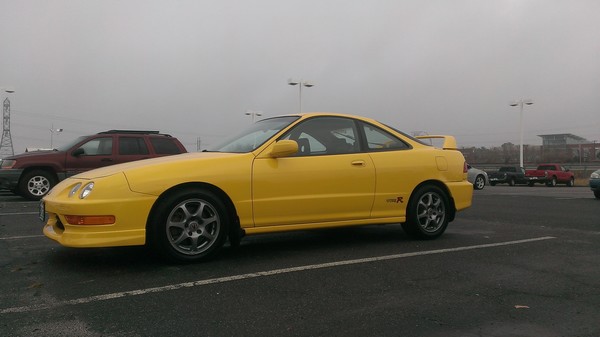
<point>465,168</point>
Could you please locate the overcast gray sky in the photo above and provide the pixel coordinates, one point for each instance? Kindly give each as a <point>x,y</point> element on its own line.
<point>193,68</point>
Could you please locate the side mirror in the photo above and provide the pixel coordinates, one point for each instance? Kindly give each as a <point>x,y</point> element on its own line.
<point>284,148</point>
<point>78,152</point>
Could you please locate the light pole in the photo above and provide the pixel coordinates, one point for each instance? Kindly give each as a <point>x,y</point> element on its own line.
<point>520,104</point>
<point>254,114</point>
<point>52,132</point>
<point>300,84</point>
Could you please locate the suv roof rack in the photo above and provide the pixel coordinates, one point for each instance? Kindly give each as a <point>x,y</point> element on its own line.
<point>130,131</point>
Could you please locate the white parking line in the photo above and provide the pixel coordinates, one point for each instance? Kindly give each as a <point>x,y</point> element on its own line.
<point>21,237</point>
<point>198,283</point>
<point>20,213</point>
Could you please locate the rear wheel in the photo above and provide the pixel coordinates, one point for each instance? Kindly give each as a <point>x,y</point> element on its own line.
<point>597,194</point>
<point>36,184</point>
<point>511,182</point>
<point>571,182</point>
<point>188,226</point>
<point>427,213</point>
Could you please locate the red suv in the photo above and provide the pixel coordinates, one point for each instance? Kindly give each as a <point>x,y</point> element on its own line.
<point>33,174</point>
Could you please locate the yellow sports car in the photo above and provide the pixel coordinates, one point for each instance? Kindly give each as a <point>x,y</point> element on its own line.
<point>293,172</point>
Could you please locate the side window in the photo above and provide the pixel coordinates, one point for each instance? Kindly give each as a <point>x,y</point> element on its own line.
<point>165,146</point>
<point>132,145</point>
<point>381,140</point>
<point>324,135</point>
<point>98,147</point>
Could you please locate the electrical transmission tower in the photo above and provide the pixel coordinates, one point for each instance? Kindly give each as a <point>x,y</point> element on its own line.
<point>6,145</point>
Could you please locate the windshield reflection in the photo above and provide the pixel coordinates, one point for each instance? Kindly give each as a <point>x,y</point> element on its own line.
<point>71,144</point>
<point>254,136</point>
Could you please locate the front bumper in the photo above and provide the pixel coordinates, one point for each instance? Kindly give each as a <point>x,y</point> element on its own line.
<point>499,180</point>
<point>536,179</point>
<point>9,178</point>
<point>595,184</point>
<point>130,210</point>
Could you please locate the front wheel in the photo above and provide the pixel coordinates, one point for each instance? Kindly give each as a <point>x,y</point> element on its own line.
<point>35,184</point>
<point>511,182</point>
<point>552,182</point>
<point>597,194</point>
<point>189,226</point>
<point>427,213</point>
<point>479,183</point>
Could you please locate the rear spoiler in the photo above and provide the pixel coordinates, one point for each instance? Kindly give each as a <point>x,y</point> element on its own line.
<point>449,141</point>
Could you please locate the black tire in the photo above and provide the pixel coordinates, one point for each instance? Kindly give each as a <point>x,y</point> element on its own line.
<point>511,182</point>
<point>552,182</point>
<point>597,194</point>
<point>479,183</point>
<point>571,182</point>
<point>427,213</point>
<point>190,225</point>
<point>34,185</point>
<point>531,184</point>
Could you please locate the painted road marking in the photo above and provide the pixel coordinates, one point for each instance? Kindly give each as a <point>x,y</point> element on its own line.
<point>199,283</point>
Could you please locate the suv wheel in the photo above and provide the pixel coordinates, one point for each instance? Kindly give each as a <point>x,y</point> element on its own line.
<point>36,184</point>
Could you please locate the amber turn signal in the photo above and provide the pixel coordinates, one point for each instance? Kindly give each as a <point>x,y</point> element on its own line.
<point>90,219</point>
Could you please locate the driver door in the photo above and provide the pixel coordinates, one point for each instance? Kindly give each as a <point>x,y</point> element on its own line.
<point>328,180</point>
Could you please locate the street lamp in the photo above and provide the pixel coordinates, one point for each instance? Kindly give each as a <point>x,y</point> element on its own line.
<point>52,132</point>
<point>520,104</point>
<point>254,114</point>
<point>300,84</point>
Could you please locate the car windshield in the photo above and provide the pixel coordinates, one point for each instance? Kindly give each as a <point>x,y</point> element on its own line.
<point>254,136</point>
<point>71,144</point>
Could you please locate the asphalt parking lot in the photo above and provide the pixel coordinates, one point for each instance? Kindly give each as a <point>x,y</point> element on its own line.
<point>523,261</point>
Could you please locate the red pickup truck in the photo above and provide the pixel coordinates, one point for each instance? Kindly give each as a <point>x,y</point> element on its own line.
<point>550,174</point>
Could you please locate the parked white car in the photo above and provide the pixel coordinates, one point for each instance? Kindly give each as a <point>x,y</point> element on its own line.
<point>477,177</point>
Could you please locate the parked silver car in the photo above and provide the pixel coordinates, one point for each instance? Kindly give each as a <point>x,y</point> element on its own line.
<point>477,177</point>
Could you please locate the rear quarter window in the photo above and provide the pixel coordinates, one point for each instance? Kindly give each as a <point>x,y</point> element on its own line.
<point>165,146</point>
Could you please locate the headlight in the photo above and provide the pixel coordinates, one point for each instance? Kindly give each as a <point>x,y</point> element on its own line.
<point>74,189</point>
<point>595,175</point>
<point>86,190</point>
<point>7,163</point>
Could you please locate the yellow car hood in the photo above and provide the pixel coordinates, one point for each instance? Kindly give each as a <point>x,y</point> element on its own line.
<point>174,159</point>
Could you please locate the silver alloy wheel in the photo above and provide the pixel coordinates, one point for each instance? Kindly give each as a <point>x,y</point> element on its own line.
<point>479,183</point>
<point>38,186</point>
<point>193,226</point>
<point>431,212</point>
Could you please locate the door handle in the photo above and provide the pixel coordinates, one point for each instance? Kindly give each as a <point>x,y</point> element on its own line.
<point>106,159</point>
<point>358,163</point>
